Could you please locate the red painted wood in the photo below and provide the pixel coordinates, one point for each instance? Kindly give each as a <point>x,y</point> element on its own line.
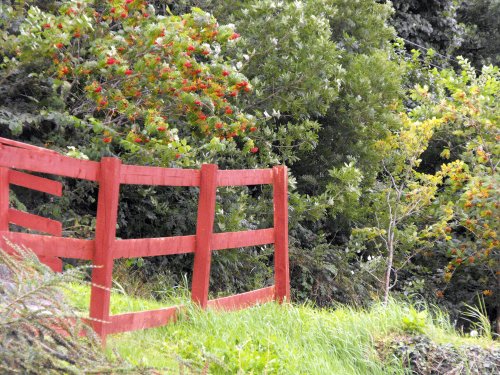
<point>141,320</point>
<point>105,233</point>
<point>35,222</point>
<point>204,230</point>
<point>50,246</point>
<point>239,177</point>
<point>35,183</point>
<point>137,175</point>
<point>150,247</point>
<point>25,146</point>
<point>147,247</point>
<point>4,199</point>
<point>281,266</point>
<point>110,173</point>
<point>50,163</point>
<point>54,263</point>
<point>239,301</point>
<point>231,240</point>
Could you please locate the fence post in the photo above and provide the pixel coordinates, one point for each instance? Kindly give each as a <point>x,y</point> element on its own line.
<point>105,234</point>
<point>204,229</point>
<point>280,203</point>
<point>4,199</point>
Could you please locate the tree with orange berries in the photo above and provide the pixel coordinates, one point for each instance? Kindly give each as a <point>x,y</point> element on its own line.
<point>146,84</point>
<point>118,78</point>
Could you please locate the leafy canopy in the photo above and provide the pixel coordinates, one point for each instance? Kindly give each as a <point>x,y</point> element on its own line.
<point>143,81</point>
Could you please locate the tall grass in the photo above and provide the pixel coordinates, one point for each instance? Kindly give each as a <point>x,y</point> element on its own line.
<point>273,338</point>
<point>282,339</point>
<point>478,317</point>
<point>269,339</point>
<point>264,339</point>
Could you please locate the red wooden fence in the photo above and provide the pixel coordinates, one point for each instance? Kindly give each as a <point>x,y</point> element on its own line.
<point>110,173</point>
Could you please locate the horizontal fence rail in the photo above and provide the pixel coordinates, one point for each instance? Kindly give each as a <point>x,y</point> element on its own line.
<point>137,175</point>
<point>17,159</point>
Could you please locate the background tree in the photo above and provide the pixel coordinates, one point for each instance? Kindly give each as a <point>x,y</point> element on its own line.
<point>90,103</point>
<point>68,75</point>
<point>468,104</point>
<point>482,31</point>
<point>398,201</point>
<point>468,28</point>
<point>431,24</point>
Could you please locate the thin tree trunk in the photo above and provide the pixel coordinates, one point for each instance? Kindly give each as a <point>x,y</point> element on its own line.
<point>390,260</point>
<point>498,319</point>
<point>498,304</point>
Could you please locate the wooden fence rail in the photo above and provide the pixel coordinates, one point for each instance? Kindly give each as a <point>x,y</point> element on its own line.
<point>110,173</point>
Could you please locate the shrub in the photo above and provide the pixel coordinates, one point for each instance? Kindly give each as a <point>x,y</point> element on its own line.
<point>39,331</point>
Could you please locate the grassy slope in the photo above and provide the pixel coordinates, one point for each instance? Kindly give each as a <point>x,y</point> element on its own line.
<point>291,339</point>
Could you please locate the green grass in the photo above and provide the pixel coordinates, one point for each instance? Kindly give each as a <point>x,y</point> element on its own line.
<point>272,338</point>
<point>79,296</point>
<point>265,339</point>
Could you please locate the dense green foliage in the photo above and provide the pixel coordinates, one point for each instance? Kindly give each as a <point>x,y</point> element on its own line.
<point>394,180</point>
